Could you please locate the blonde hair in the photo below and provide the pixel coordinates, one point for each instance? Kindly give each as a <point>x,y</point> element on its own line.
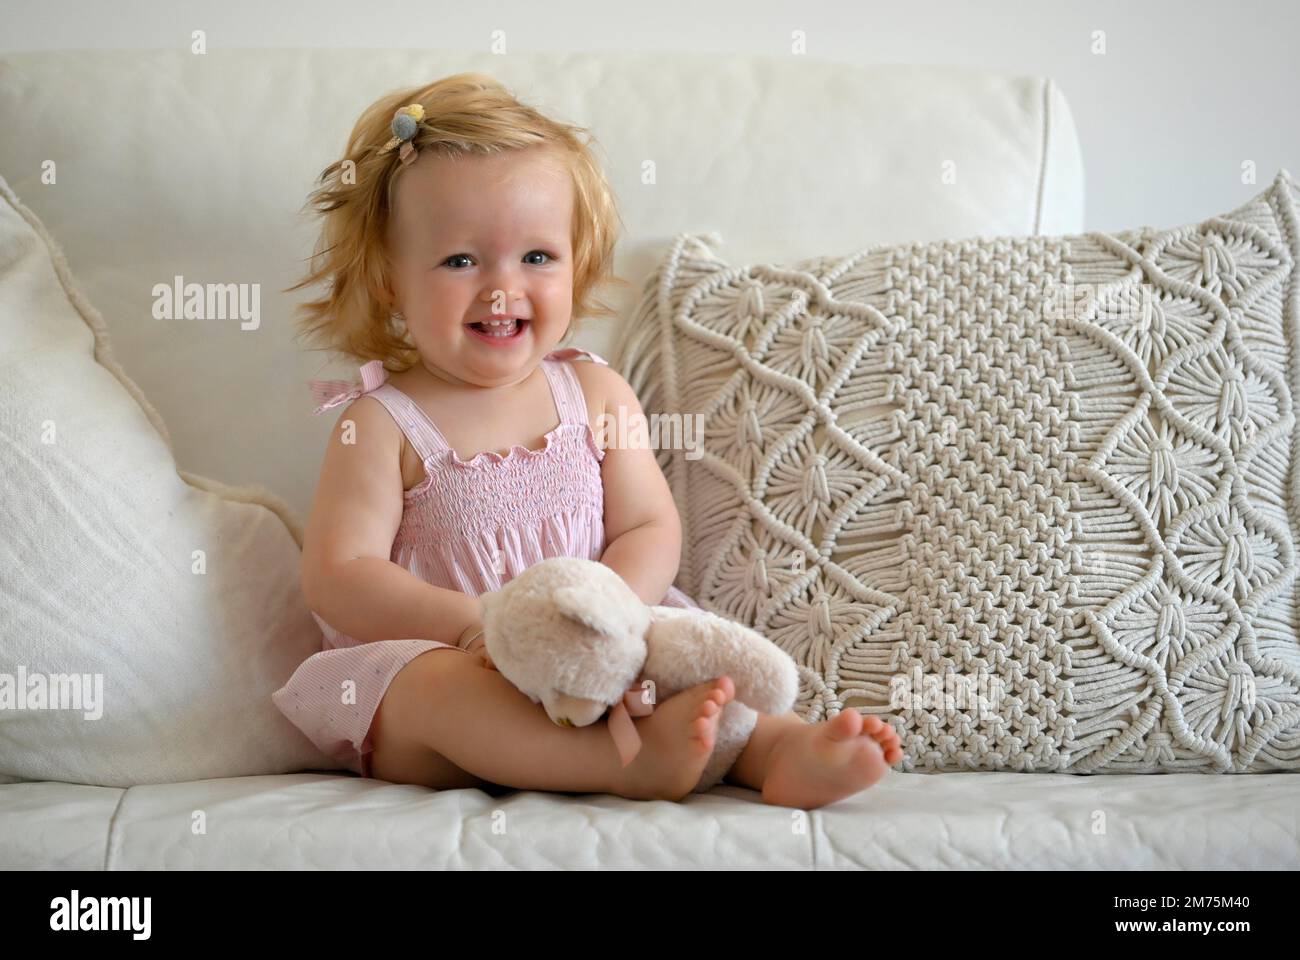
<point>467,113</point>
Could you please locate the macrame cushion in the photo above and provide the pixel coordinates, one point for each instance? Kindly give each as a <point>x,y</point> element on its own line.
<point>1032,499</point>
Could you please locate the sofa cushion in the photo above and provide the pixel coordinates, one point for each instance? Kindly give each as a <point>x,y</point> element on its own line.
<point>56,826</point>
<point>165,607</point>
<point>1027,497</point>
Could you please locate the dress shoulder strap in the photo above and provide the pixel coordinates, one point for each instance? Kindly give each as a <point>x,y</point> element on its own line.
<point>424,436</point>
<point>570,401</point>
<point>419,430</point>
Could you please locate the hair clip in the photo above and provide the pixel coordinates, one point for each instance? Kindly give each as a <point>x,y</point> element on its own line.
<point>406,122</point>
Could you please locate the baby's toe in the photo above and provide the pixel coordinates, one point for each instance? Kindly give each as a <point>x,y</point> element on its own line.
<point>890,744</point>
<point>880,731</point>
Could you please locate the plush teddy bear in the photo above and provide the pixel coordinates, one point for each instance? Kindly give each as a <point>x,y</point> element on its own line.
<point>574,637</point>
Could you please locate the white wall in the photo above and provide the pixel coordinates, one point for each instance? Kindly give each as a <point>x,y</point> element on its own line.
<point>1184,94</point>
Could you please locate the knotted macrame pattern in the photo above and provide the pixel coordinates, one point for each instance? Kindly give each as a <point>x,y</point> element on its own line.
<point>922,462</point>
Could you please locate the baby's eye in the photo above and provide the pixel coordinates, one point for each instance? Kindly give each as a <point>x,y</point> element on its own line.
<point>466,256</point>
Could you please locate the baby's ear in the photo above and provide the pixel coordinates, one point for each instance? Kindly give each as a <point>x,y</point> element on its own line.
<point>592,608</point>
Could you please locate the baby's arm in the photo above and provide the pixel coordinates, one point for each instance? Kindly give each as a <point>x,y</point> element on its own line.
<point>643,532</point>
<point>347,577</point>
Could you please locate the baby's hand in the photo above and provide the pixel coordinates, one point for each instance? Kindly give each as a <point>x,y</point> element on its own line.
<point>478,650</point>
<point>476,647</point>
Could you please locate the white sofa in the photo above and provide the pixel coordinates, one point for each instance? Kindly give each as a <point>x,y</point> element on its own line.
<point>198,165</point>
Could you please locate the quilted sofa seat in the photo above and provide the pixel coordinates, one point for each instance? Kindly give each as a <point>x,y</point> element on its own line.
<point>909,821</point>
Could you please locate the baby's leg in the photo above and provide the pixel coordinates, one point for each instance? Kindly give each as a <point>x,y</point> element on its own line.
<point>447,721</point>
<point>399,757</point>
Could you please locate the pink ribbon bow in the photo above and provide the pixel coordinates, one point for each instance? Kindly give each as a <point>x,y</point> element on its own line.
<point>568,353</point>
<point>622,729</point>
<point>331,393</point>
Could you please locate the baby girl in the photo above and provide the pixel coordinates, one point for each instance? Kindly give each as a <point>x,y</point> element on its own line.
<point>462,234</point>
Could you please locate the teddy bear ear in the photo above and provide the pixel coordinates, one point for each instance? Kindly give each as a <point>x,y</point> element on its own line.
<point>589,607</point>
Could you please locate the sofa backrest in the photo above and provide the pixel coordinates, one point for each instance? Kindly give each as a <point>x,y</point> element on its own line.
<point>173,164</point>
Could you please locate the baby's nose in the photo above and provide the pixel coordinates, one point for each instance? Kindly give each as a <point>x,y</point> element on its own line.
<point>489,295</point>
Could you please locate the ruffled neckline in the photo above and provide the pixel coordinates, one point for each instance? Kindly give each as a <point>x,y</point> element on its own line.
<point>519,453</point>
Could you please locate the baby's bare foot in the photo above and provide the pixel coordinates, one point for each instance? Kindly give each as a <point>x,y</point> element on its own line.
<point>676,742</point>
<point>816,764</point>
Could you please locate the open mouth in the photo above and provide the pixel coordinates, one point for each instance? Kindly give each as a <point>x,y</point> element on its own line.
<point>499,330</point>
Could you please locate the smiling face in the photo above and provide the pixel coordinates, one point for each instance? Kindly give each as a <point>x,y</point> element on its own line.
<point>476,238</point>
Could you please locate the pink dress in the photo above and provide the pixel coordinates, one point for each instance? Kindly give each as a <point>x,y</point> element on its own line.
<point>470,526</point>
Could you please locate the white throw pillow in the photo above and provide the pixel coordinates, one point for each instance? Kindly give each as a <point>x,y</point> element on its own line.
<point>145,617</point>
<point>1032,499</point>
